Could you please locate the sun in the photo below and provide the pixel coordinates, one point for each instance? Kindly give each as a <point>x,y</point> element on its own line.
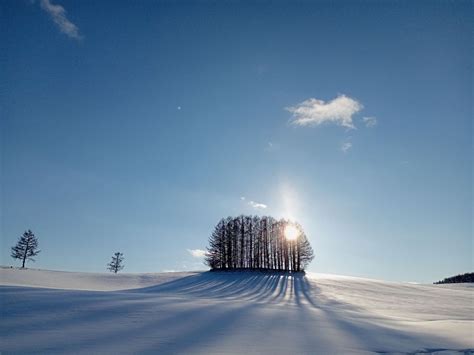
<point>291,232</point>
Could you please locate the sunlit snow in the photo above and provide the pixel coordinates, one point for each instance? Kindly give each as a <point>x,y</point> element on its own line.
<point>238,312</point>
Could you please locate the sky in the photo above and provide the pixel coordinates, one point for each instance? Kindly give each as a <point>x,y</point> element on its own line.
<point>134,126</point>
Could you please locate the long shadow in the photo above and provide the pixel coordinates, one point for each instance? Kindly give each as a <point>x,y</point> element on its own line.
<point>352,321</point>
<point>68,306</point>
<point>244,292</point>
<point>358,324</point>
<point>245,286</point>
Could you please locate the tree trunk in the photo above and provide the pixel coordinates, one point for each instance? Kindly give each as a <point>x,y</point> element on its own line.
<point>24,257</point>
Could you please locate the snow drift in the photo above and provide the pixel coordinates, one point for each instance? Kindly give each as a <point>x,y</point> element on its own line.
<point>220,312</point>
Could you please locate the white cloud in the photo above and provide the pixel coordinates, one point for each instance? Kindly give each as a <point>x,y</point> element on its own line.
<point>58,15</point>
<point>370,121</point>
<point>315,112</point>
<point>254,204</point>
<point>346,146</point>
<point>197,253</point>
<point>257,205</point>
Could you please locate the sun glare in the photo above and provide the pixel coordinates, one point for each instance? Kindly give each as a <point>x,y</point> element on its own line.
<point>291,232</point>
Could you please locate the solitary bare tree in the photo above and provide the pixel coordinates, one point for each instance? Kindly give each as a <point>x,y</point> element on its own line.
<point>26,247</point>
<point>117,263</point>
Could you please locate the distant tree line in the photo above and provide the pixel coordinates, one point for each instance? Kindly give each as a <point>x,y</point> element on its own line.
<point>252,242</point>
<point>467,277</point>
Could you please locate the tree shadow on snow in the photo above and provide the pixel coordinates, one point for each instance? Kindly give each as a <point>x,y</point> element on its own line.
<point>360,329</point>
<point>201,312</point>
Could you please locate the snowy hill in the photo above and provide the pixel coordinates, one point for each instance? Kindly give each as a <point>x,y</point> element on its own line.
<point>242,312</point>
<point>84,280</point>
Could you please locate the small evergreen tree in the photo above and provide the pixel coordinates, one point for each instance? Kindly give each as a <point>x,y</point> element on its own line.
<point>26,247</point>
<point>117,263</point>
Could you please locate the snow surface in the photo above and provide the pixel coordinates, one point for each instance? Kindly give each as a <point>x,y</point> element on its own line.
<point>229,313</point>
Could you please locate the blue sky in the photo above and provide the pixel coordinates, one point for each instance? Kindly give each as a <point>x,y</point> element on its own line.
<point>136,126</point>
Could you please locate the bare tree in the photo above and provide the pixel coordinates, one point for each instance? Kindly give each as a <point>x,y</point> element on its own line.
<point>215,256</point>
<point>26,247</point>
<point>117,263</point>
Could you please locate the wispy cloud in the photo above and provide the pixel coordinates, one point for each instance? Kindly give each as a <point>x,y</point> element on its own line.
<point>256,205</point>
<point>316,112</point>
<point>370,121</point>
<point>58,15</point>
<point>346,146</point>
<point>197,253</point>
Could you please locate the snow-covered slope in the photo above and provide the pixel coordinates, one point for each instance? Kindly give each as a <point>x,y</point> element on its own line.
<point>83,280</point>
<point>229,313</point>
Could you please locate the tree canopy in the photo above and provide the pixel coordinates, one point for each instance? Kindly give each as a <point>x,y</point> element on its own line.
<point>252,242</point>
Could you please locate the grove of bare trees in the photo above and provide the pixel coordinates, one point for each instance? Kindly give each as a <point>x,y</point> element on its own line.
<point>253,242</point>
